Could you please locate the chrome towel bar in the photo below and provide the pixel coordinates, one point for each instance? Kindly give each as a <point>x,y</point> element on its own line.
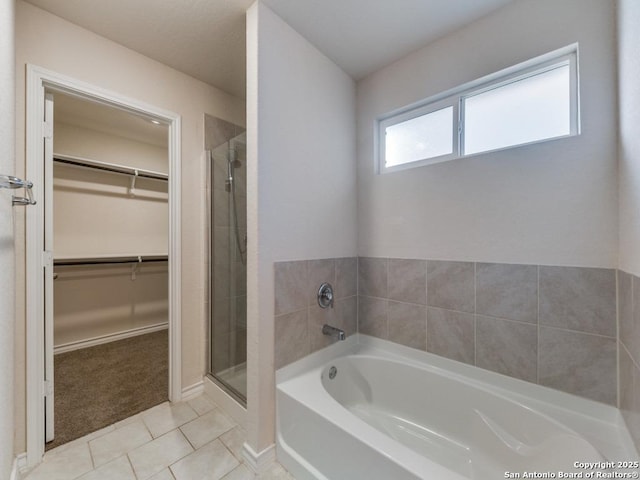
<point>13,183</point>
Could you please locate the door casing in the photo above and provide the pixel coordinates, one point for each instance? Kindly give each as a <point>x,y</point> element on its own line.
<point>40,81</point>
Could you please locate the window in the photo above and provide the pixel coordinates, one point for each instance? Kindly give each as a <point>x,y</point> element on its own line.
<point>532,102</point>
<point>426,136</point>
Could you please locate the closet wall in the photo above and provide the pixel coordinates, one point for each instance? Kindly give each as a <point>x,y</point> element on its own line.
<point>97,215</point>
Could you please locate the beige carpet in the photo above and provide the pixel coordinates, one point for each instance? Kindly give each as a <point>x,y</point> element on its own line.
<point>98,386</point>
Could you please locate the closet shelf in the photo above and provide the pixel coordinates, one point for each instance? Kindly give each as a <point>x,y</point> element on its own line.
<point>108,167</point>
<point>109,259</point>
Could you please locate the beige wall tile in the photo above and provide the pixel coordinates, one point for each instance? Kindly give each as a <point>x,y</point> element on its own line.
<point>578,363</point>
<point>291,337</point>
<point>408,324</point>
<point>450,285</point>
<point>625,307</point>
<point>632,337</point>
<point>407,281</point>
<point>507,291</point>
<point>582,299</point>
<point>372,277</point>
<point>346,277</point>
<point>451,334</point>
<point>372,317</point>
<point>290,284</point>
<point>507,347</point>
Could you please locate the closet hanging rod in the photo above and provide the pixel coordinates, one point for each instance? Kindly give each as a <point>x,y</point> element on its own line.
<point>108,167</point>
<point>110,260</point>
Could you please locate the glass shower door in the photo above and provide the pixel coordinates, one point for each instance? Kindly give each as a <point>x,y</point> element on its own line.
<point>228,342</point>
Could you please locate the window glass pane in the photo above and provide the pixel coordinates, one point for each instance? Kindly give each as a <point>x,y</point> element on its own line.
<point>531,109</point>
<point>423,137</point>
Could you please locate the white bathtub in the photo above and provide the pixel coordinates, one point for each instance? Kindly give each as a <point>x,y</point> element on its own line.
<point>392,412</point>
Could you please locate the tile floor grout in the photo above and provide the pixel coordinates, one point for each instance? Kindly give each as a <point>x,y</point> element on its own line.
<point>62,463</point>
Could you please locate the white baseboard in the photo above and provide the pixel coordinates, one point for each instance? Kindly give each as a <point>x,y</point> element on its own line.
<point>19,466</point>
<point>15,473</point>
<point>112,337</point>
<point>192,391</point>
<point>226,402</point>
<point>259,462</point>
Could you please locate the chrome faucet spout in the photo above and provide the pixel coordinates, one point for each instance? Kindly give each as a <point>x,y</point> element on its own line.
<point>333,332</point>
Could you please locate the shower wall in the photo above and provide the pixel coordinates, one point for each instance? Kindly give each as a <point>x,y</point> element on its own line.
<point>504,260</point>
<point>553,203</point>
<point>532,228</point>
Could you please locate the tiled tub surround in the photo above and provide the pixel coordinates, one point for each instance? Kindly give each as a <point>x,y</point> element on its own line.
<point>555,326</point>
<point>629,351</point>
<point>298,318</point>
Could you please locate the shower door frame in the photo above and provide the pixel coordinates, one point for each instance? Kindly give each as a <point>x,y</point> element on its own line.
<point>227,389</point>
<point>40,81</point>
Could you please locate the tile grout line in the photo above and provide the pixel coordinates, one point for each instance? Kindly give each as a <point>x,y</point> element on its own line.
<point>93,462</point>
<point>386,292</point>
<point>131,465</point>
<point>538,325</point>
<point>475,311</point>
<point>426,306</point>
<point>617,287</point>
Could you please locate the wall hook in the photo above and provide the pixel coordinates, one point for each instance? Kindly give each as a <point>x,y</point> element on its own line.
<point>132,187</point>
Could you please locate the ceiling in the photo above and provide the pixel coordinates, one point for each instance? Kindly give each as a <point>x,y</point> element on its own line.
<point>206,38</point>
<point>95,116</point>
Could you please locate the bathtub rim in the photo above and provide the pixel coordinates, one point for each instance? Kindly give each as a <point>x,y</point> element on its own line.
<point>509,387</point>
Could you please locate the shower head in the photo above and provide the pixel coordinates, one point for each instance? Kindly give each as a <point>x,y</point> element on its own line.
<point>232,160</point>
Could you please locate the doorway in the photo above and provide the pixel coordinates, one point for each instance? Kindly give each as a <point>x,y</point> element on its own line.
<point>108,235</point>
<point>42,85</point>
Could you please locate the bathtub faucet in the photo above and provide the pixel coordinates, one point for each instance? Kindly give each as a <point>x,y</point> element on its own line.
<point>333,332</point>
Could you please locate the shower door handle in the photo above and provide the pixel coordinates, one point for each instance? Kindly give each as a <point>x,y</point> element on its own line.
<point>13,183</point>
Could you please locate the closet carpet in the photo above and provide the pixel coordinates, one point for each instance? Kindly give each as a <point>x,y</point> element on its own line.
<point>101,385</point>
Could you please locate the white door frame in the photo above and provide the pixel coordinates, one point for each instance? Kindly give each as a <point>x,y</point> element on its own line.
<point>39,79</point>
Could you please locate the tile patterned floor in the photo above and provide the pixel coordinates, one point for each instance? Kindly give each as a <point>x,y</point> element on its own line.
<point>191,440</point>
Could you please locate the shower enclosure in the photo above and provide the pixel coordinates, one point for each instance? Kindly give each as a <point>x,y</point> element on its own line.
<point>225,144</point>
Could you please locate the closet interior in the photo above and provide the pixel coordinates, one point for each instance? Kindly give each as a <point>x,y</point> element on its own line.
<point>110,290</point>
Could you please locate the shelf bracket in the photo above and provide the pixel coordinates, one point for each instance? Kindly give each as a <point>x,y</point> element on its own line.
<point>132,187</point>
<point>134,268</point>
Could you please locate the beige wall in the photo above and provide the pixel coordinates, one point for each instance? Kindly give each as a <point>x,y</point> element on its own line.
<point>301,200</point>
<point>89,143</point>
<point>7,280</point>
<point>552,203</point>
<point>629,138</point>
<point>94,215</point>
<point>101,300</point>
<point>629,213</point>
<point>50,42</point>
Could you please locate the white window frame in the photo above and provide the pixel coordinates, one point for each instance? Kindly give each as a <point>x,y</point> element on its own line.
<point>455,98</point>
<point>419,112</point>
